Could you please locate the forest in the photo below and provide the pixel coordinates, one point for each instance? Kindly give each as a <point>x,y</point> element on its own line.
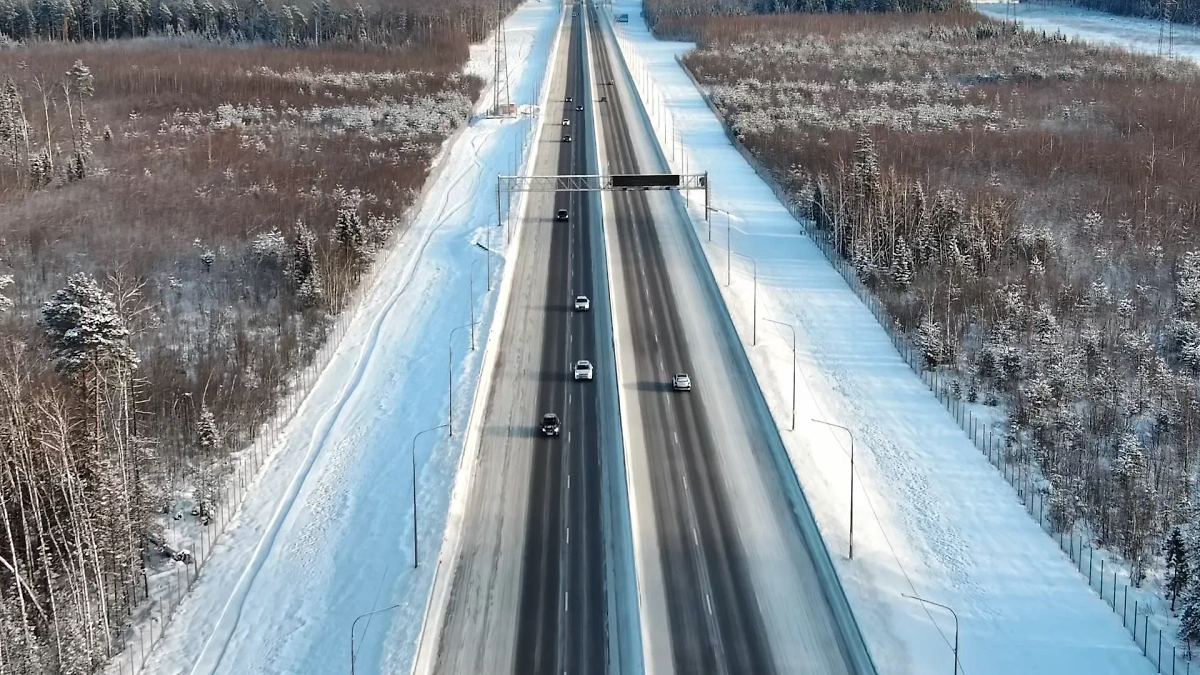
<point>186,204</point>
<point>1023,207</point>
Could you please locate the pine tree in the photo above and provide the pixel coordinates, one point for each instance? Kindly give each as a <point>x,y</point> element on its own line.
<point>350,235</point>
<point>929,341</point>
<point>312,290</point>
<point>1187,285</point>
<point>84,328</point>
<point>207,436</point>
<point>6,302</point>
<point>1177,565</point>
<point>902,265</point>
<point>304,255</point>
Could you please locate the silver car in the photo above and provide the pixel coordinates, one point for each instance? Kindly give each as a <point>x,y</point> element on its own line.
<point>681,382</point>
<point>583,370</point>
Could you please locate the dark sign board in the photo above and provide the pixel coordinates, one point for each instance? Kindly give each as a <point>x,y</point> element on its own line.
<point>632,180</point>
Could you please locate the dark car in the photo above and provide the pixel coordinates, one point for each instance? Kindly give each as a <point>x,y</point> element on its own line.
<point>566,138</point>
<point>561,215</point>
<point>578,108</point>
<point>550,425</point>
<point>568,99</point>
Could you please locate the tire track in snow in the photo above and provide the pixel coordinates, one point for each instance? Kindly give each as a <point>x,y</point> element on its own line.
<point>215,647</point>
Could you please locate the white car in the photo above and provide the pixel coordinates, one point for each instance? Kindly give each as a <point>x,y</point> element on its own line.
<point>582,304</point>
<point>566,122</point>
<point>583,370</point>
<point>681,382</point>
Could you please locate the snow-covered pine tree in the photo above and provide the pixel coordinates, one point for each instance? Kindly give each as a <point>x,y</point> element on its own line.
<point>350,235</point>
<point>312,290</point>
<point>819,208</point>
<point>1135,496</point>
<point>207,435</point>
<point>304,254</point>
<point>1178,572</point>
<point>6,302</point>
<point>1187,285</point>
<point>929,340</point>
<point>1189,622</point>
<point>84,328</point>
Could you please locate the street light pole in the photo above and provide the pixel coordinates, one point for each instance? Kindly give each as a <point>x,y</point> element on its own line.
<point>754,325</point>
<point>450,363</point>
<point>851,433</point>
<point>414,487</point>
<point>355,624</point>
<point>789,327</point>
<point>952,613</point>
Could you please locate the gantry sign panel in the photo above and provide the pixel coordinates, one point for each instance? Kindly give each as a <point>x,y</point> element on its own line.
<point>635,181</point>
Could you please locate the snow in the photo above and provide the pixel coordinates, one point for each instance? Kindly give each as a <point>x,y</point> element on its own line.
<point>1133,33</point>
<point>325,533</point>
<point>933,518</point>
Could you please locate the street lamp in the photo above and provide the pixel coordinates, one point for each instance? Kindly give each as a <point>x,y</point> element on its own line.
<point>754,264</point>
<point>937,604</point>
<point>791,328</point>
<point>851,433</point>
<point>450,349</point>
<point>716,210</point>
<point>355,624</point>
<point>414,486</point>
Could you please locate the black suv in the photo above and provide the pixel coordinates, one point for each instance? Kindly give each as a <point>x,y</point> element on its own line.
<point>550,425</point>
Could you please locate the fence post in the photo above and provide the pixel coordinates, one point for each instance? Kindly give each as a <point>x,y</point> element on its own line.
<point>1124,601</point>
<point>1102,578</point>
<point>1091,557</point>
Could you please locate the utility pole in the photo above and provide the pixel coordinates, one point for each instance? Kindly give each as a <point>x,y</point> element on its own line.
<point>501,97</point>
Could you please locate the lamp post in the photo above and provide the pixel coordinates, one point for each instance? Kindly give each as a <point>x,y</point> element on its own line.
<point>414,487</point>
<point>754,325</point>
<point>791,328</point>
<point>716,210</point>
<point>450,361</point>
<point>938,604</point>
<point>355,624</point>
<point>851,433</point>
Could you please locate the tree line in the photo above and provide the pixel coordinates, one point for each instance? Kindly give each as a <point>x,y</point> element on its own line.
<point>320,22</point>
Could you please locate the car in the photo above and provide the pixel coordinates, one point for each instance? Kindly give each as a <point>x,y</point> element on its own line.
<point>582,304</point>
<point>578,108</point>
<point>583,370</point>
<point>566,138</point>
<point>567,99</point>
<point>566,122</point>
<point>610,83</point>
<point>561,215</point>
<point>550,425</point>
<point>681,382</point>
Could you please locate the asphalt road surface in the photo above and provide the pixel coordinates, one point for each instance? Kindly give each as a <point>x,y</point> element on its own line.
<point>729,580</point>
<point>528,593</point>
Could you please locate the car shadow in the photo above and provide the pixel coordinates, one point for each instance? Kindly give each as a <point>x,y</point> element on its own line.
<point>653,385</point>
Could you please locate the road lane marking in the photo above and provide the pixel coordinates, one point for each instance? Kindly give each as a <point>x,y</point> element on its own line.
<point>568,535</point>
<point>567,602</point>
<point>685,484</point>
<point>568,437</point>
<point>675,435</point>
<point>708,601</point>
<point>695,537</point>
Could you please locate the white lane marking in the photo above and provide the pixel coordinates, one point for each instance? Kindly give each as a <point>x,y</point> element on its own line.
<point>568,535</point>
<point>708,602</point>
<point>656,338</point>
<point>567,602</point>
<point>568,485</point>
<point>685,484</point>
<point>568,437</point>
<point>695,537</point>
<point>675,436</point>
<point>569,398</point>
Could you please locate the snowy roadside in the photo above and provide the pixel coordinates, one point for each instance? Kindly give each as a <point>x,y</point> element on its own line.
<point>1132,33</point>
<point>932,518</point>
<point>324,533</point>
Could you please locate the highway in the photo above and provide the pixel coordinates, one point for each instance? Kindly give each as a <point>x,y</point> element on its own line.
<point>734,580</point>
<point>528,590</point>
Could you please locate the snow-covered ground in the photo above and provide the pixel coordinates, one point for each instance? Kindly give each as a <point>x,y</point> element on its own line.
<point>325,534</point>
<point>1133,33</point>
<point>932,517</point>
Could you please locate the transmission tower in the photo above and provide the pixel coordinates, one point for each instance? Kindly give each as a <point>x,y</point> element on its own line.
<point>501,98</point>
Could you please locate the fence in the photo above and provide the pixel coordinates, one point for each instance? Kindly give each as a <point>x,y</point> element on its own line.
<point>155,599</point>
<point>1111,585</point>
